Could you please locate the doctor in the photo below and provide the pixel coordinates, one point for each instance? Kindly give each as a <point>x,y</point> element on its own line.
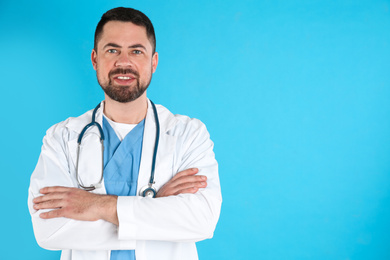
<point>113,221</point>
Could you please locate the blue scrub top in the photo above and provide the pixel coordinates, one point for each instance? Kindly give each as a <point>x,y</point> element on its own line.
<point>121,168</point>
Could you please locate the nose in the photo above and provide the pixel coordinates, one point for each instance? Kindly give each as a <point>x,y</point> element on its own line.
<point>123,60</point>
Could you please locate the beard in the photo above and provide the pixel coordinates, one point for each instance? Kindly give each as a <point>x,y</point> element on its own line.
<point>124,93</point>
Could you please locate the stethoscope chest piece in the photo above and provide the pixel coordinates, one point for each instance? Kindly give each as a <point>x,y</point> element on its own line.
<point>148,191</point>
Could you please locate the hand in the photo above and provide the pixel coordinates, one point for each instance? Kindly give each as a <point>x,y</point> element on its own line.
<point>76,204</point>
<point>183,182</point>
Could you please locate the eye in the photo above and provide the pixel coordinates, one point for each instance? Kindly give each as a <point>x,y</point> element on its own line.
<point>112,51</point>
<point>137,52</point>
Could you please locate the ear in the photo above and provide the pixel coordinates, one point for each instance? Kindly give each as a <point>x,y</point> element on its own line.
<point>154,62</point>
<point>93,58</point>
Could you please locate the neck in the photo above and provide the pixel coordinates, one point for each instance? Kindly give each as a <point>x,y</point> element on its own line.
<point>127,113</point>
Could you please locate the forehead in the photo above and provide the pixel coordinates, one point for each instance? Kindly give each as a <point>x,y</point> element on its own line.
<point>124,34</point>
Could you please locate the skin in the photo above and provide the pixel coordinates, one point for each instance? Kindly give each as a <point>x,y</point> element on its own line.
<point>79,204</point>
<point>122,45</point>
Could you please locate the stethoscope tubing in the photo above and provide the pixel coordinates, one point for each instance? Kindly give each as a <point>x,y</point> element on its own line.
<point>149,190</point>
<point>151,180</point>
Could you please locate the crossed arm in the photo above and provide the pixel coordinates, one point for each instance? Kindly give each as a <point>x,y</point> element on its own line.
<point>192,212</point>
<point>78,204</point>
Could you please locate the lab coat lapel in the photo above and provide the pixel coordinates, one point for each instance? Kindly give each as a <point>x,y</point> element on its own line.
<point>164,160</point>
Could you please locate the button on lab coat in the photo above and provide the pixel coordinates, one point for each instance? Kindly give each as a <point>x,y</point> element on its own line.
<point>157,228</point>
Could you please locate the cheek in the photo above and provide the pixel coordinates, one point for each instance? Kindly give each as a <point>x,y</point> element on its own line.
<point>147,68</point>
<point>102,68</point>
<point>104,64</point>
<point>101,75</point>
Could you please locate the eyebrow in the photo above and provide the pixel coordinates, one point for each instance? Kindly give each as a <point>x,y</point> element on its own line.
<point>114,45</point>
<point>137,46</point>
<point>111,45</point>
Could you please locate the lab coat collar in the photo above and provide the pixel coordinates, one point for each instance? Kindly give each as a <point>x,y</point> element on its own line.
<point>166,118</point>
<point>77,124</point>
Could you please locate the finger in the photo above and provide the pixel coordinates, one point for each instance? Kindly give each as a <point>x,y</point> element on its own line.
<point>187,185</point>
<point>191,187</point>
<point>196,186</point>
<point>191,178</point>
<point>49,196</point>
<point>51,204</point>
<point>187,179</point>
<point>52,214</point>
<point>52,189</point>
<point>189,190</point>
<point>191,171</point>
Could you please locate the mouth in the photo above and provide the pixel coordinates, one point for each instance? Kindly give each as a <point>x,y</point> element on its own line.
<point>123,79</point>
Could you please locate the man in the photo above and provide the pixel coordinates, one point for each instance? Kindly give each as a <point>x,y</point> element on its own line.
<point>86,218</point>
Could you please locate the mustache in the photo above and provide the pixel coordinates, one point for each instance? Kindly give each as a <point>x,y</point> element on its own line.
<point>123,71</point>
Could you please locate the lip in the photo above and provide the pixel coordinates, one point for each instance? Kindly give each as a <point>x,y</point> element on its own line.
<point>127,75</point>
<point>123,79</point>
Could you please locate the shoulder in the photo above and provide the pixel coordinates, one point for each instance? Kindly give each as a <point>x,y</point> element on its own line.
<point>193,146</point>
<point>179,125</point>
<point>67,128</point>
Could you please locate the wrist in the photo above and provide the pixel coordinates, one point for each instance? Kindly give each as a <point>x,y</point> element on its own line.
<point>107,208</point>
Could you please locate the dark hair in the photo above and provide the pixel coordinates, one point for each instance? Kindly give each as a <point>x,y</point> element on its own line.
<point>123,14</point>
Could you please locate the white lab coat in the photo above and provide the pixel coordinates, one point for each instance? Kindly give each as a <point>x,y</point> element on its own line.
<point>160,228</point>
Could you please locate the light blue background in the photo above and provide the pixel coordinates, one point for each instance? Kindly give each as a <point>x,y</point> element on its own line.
<point>295,95</point>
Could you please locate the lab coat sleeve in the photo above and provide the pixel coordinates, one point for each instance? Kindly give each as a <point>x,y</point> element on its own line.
<point>62,233</point>
<point>181,218</point>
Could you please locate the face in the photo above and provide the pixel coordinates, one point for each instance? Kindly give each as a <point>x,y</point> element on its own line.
<point>124,61</point>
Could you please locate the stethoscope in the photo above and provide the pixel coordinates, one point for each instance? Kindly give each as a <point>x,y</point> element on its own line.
<point>146,191</point>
